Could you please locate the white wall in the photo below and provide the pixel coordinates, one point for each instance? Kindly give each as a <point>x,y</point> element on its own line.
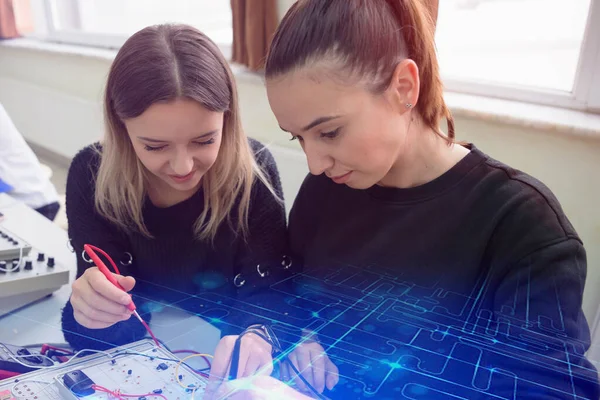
<point>55,100</point>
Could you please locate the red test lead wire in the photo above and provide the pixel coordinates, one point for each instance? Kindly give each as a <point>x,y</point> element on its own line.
<point>122,396</point>
<point>46,347</point>
<point>91,251</point>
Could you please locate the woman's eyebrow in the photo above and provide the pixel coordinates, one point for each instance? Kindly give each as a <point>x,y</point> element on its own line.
<point>204,135</point>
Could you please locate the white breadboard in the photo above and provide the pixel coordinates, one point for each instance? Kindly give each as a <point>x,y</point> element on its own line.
<point>131,369</point>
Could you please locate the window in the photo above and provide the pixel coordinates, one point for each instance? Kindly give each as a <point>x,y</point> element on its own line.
<point>108,23</point>
<point>544,51</point>
<point>540,51</point>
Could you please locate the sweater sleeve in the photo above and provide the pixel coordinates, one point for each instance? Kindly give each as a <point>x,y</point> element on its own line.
<point>259,257</point>
<point>87,226</point>
<point>539,270</point>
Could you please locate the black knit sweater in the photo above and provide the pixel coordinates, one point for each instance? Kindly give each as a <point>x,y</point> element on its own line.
<point>174,267</point>
<point>470,284</point>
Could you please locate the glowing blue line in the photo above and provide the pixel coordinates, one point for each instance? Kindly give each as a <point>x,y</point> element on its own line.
<point>570,373</point>
<point>528,293</point>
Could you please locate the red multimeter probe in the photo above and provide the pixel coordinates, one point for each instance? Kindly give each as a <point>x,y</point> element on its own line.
<point>91,251</point>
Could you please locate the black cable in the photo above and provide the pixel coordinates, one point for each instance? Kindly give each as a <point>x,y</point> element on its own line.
<point>312,389</point>
<point>235,354</point>
<point>235,358</point>
<point>28,346</point>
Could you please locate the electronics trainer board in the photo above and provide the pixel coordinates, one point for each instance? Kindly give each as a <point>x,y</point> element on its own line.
<point>139,368</point>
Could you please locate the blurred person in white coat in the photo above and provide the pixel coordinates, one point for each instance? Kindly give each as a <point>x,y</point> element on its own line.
<point>21,174</point>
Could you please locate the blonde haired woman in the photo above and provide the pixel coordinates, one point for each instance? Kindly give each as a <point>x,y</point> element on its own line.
<point>176,193</point>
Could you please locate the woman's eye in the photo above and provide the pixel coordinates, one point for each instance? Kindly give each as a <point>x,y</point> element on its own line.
<point>206,142</point>
<point>330,135</point>
<point>150,148</point>
<point>298,138</point>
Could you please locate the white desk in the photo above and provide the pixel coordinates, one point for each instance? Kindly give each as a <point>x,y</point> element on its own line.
<point>40,322</point>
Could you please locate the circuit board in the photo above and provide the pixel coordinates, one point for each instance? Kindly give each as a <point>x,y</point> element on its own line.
<point>140,368</point>
<point>393,339</point>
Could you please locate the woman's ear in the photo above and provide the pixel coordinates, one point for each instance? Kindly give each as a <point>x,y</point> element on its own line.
<point>403,90</point>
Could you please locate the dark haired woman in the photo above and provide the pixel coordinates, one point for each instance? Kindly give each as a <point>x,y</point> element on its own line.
<point>397,210</point>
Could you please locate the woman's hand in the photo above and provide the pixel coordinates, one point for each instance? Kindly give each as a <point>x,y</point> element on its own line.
<point>312,362</point>
<point>97,303</point>
<point>258,387</point>
<point>254,358</point>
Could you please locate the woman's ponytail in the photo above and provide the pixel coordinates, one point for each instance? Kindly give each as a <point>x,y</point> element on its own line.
<point>419,35</point>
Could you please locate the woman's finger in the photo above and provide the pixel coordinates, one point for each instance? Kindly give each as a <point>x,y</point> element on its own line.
<point>108,306</point>
<point>220,365</point>
<point>303,356</point>
<point>95,300</point>
<point>284,372</point>
<point>95,315</point>
<point>100,284</point>
<point>293,359</point>
<point>253,365</point>
<point>83,320</point>
<point>332,375</point>
<point>255,354</point>
<point>318,369</point>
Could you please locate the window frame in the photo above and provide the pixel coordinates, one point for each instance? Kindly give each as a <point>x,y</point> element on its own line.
<point>76,37</point>
<point>80,38</point>
<point>585,95</point>
<point>587,81</point>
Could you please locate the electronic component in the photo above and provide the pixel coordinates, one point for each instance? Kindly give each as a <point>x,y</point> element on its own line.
<point>130,369</point>
<point>162,366</point>
<point>78,383</point>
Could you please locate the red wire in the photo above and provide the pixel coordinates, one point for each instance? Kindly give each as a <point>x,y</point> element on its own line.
<point>150,332</point>
<point>110,260</point>
<point>185,352</point>
<point>7,374</point>
<point>47,346</point>
<point>122,396</point>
